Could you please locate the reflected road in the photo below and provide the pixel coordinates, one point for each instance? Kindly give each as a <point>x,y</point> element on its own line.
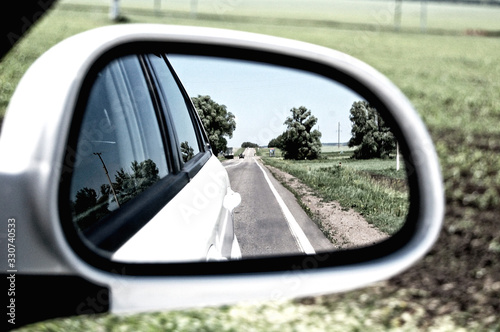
<point>269,221</point>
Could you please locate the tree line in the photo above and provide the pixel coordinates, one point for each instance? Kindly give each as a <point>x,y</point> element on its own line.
<point>249,145</point>
<point>371,137</point>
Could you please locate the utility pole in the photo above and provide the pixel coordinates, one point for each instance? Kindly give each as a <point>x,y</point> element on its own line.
<point>339,137</point>
<point>423,16</point>
<point>398,13</point>
<point>114,10</point>
<point>157,6</point>
<point>107,175</point>
<point>397,156</point>
<point>194,8</point>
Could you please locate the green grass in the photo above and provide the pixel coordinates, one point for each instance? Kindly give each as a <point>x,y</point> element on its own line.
<point>371,187</point>
<point>451,78</point>
<point>264,152</point>
<point>328,149</point>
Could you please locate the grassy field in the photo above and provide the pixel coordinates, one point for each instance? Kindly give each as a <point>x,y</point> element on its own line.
<point>440,17</point>
<point>451,75</point>
<point>371,187</point>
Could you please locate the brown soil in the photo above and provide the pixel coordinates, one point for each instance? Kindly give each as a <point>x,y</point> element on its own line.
<point>344,228</point>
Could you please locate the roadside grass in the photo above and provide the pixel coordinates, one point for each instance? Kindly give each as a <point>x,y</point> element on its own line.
<point>371,187</point>
<point>451,76</point>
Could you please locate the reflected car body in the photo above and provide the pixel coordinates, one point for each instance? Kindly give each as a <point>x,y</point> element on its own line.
<point>199,227</point>
<point>140,118</point>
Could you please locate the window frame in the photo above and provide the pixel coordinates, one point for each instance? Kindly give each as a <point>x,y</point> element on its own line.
<point>192,166</point>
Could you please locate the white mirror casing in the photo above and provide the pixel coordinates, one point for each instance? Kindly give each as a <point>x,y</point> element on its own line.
<point>47,96</point>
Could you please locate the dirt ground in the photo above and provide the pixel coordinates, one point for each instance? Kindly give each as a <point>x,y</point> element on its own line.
<point>344,228</point>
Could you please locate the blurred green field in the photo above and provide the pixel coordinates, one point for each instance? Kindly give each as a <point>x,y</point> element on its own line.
<point>380,12</point>
<point>451,74</point>
<point>331,156</point>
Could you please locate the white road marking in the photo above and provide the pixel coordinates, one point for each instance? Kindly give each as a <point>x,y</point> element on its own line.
<point>297,232</point>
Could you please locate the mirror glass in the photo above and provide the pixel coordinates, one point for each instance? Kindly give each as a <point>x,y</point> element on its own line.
<point>312,166</point>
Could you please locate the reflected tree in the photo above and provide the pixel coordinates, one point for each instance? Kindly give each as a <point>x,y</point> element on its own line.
<point>275,142</point>
<point>370,135</point>
<point>217,121</point>
<point>89,207</point>
<point>128,185</point>
<point>186,151</point>
<point>300,141</point>
<point>85,199</point>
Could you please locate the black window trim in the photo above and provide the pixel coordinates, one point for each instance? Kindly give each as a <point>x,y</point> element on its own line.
<point>162,120</point>
<point>200,130</point>
<point>194,165</point>
<point>197,162</point>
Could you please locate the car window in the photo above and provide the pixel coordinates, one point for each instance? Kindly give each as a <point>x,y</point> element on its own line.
<point>179,111</point>
<point>120,152</point>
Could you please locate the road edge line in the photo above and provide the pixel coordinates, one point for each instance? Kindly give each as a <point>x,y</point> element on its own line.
<point>297,232</point>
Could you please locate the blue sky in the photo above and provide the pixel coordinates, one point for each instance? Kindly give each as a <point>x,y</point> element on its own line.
<point>261,96</point>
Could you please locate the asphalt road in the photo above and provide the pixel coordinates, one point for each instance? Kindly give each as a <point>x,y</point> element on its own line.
<point>269,221</point>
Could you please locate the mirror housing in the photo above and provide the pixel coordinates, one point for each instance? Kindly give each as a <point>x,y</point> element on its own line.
<point>33,146</point>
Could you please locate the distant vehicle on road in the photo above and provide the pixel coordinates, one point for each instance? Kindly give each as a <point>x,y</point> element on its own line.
<point>229,153</point>
<point>242,155</point>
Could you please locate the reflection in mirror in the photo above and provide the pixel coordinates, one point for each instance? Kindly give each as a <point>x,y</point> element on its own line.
<point>316,167</point>
<point>323,142</point>
<point>120,151</point>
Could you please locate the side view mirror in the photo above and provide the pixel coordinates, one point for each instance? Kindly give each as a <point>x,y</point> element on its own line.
<point>113,190</point>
